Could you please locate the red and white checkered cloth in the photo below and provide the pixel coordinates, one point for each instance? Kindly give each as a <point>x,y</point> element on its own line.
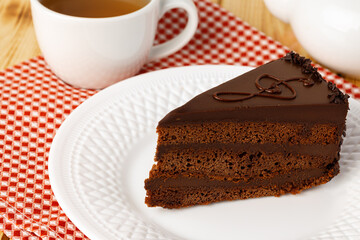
<point>34,102</point>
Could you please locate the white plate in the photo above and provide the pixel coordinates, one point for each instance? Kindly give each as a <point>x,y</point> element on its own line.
<point>104,150</point>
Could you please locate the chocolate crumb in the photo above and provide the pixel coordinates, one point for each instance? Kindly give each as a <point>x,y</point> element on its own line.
<point>336,96</point>
<point>305,65</point>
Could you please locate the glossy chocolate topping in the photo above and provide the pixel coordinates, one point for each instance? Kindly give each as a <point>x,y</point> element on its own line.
<point>272,91</point>
<point>288,89</point>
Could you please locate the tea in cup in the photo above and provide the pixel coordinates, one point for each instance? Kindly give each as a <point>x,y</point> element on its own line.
<point>96,43</point>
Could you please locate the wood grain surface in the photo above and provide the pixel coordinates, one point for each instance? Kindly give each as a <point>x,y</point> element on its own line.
<point>3,236</point>
<point>18,41</point>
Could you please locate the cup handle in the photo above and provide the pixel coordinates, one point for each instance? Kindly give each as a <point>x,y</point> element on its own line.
<point>184,37</point>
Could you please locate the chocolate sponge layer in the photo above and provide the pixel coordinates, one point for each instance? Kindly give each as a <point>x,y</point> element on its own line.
<point>182,191</point>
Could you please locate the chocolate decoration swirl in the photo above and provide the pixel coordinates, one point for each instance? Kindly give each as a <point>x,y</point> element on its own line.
<point>273,91</point>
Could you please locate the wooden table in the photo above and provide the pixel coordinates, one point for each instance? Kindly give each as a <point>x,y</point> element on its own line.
<point>18,42</point>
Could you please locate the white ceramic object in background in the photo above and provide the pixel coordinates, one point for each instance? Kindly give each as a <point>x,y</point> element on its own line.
<point>328,29</point>
<point>97,52</point>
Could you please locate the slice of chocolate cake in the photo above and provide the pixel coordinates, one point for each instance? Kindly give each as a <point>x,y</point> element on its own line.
<point>274,130</point>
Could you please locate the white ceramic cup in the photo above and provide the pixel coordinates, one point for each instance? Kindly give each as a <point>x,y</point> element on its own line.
<point>97,52</point>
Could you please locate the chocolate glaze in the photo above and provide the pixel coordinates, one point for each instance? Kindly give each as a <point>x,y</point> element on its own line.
<point>273,91</point>
<point>318,102</point>
<point>311,150</point>
<point>293,177</point>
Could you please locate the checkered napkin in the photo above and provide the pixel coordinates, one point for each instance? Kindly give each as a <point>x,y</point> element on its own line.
<point>34,102</point>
